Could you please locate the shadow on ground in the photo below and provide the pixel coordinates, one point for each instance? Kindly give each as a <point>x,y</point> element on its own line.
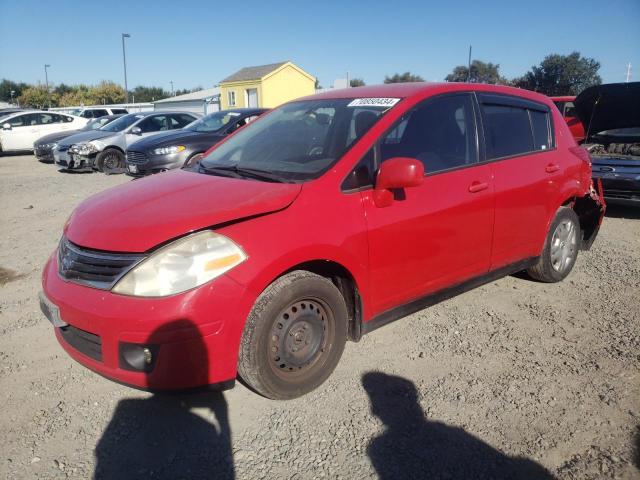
<point>413,447</point>
<point>163,437</point>
<point>623,211</point>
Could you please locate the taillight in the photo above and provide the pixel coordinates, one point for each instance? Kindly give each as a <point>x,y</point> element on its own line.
<point>582,154</point>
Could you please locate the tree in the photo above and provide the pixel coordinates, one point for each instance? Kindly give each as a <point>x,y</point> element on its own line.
<point>481,72</point>
<point>317,85</point>
<point>76,96</point>
<point>356,82</point>
<point>561,75</point>
<point>148,94</point>
<point>6,86</point>
<point>107,92</point>
<point>405,77</point>
<point>36,97</point>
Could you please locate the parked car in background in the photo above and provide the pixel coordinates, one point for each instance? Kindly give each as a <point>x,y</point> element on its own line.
<point>175,149</point>
<point>611,115</point>
<point>5,112</point>
<point>329,217</point>
<point>97,112</point>
<point>43,147</point>
<point>104,150</point>
<point>20,130</point>
<point>568,110</point>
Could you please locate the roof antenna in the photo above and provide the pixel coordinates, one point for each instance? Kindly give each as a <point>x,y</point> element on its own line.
<point>593,111</point>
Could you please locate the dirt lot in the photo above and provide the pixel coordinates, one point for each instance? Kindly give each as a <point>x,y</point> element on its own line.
<point>516,379</point>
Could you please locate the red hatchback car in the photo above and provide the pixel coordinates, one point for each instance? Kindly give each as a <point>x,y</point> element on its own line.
<point>323,220</point>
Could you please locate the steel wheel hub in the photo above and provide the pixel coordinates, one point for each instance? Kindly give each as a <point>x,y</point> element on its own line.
<point>563,245</point>
<point>298,335</point>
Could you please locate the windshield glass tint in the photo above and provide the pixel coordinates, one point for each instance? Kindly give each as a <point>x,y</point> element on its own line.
<point>298,141</point>
<point>121,123</point>
<point>213,122</point>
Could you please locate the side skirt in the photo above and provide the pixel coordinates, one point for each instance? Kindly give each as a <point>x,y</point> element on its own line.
<point>444,294</point>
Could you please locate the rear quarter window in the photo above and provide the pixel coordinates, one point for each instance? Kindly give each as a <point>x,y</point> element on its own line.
<point>540,128</point>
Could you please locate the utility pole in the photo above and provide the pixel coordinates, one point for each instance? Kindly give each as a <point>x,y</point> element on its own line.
<point>171,82</point>
<point>46,81</point>
<point>628,72</point>
<point>12,94</point>
<point>124,61</point>
<point>469,66</point>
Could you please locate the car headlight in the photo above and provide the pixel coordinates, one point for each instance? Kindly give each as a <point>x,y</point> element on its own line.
<point>168,150</point>
<point>47,146</point>
<point>84,148</point>
<point>182,265</point>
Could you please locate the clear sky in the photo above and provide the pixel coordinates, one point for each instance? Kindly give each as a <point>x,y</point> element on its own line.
<point>198,43</point>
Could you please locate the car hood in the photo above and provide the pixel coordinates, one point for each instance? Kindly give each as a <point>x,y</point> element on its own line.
<point>142,214</point>
<point>610,106</point>
<point>54,137</point>
<point>166,139</point>
<point>85,137</point>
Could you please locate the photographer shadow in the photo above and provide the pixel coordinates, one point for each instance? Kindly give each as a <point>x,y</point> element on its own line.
<point>413,447</point>
<point>163,437</point>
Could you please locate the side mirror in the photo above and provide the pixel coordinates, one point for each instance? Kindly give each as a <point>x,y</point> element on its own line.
<point>6,126</point>
<point>397,172</point>
<point>136,131</point>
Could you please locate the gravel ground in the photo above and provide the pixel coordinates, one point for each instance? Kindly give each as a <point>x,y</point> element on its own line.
<point>516,379</point>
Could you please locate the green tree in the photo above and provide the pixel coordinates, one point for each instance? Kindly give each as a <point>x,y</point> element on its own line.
<point>107,92</point>
<point>36,97</point>
<point>77,95</point>
<point>317,85</point>
<point>6,86</point>
<point>481,72</point>
<point>561,75</point>
<point>404,77</point>
<point>356,82</point>
<point>148,94</point>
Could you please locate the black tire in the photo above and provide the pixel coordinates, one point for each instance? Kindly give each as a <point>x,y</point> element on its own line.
<point>110,160</point>
<point>552,268</point>
<point>312,315</point>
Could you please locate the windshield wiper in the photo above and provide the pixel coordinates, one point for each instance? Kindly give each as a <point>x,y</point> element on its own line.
<point>239,172</point>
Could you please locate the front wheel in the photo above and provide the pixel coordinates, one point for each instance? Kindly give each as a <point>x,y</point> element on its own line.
<point>294,336</point>
<point>110,161</point>
<point>560,248</point>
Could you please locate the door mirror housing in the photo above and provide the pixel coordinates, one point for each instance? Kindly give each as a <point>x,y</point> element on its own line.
<point>6,126</point>
<point>136,131</point>
<point>396,173</point>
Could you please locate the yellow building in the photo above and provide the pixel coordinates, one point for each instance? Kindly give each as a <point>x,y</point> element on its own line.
<point>265,86</point>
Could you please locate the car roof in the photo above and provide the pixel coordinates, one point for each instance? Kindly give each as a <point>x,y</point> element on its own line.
<point>424,89</point>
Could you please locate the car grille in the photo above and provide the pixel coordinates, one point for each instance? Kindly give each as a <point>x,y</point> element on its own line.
<point>136,157</point>
<point>91,267</point>
<point>85,342</point>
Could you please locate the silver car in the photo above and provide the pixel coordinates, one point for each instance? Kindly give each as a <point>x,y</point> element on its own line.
<point>105,149</point>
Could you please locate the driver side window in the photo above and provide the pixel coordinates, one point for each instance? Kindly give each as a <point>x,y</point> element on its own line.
<point>441,133</point>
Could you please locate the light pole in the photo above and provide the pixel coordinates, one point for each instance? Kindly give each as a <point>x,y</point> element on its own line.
<point>171,82</point>
<point>46,81</point>
<point>124,61</point>
<point>469,66</point>
<point>12,94</point>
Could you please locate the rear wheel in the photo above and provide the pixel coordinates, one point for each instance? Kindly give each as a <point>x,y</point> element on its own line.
<point>560,248</point>
<point>110,161</point>
<point>294,336</point>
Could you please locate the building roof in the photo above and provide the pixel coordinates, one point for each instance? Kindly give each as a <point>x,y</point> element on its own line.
<point>253,73</point>
<point>199,95</point>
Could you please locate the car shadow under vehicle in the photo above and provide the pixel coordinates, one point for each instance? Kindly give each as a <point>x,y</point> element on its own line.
<point>623,211</point>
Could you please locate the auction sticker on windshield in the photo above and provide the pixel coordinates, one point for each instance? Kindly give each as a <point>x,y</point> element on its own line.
<point>373,102</point>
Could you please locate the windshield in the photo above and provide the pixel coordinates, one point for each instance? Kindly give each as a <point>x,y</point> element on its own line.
<point>97,123</point>
<point>212,123</point>
<point>300,140</point>
<point>121,123</point>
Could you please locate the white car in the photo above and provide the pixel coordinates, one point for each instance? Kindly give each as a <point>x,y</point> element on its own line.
<point>20,130</point>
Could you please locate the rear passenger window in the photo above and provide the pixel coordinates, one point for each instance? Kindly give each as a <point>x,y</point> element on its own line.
<point>540,127</point>
<point>508,131</point>
<point>441,133</point>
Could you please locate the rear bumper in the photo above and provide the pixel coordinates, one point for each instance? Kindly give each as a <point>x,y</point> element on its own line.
<point>194,336</point>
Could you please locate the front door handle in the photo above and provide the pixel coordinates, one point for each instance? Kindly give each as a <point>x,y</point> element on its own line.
<point>476,187</point>
<point>552,167</point>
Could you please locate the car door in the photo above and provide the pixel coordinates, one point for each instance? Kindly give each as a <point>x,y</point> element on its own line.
<point>24,130</point>
<point>527,172</point>
<point>439,233</point>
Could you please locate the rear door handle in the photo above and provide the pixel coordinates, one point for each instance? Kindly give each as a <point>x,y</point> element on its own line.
<point>552,167</point>
<point>476,187</point>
